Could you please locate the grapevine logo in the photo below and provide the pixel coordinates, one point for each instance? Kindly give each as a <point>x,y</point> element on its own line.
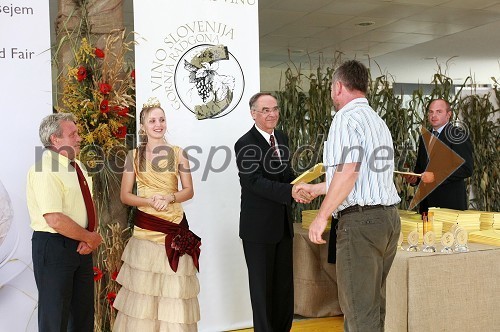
<point>209,81</point>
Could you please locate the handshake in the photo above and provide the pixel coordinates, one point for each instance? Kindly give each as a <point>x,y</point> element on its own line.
<point>305,193</point>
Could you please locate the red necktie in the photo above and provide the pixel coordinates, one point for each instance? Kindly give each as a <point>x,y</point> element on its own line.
<point>87,198</point>
<point>273,145</point>
<point>274,148</point>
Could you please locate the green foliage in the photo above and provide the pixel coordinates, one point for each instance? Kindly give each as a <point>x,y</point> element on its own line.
<point>482,121</point>
<point>306,118</point>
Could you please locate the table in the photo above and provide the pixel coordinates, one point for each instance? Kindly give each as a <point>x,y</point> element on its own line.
<point>444,292</point>
<point>315,280</point>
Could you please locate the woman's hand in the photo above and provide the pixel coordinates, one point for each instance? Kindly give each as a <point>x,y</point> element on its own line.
<point>158,202</point>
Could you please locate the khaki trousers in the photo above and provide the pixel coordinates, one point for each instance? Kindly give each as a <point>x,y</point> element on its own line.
<point>366,246</point>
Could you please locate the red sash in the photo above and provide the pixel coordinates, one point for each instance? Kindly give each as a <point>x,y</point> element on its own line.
<point>179,240</point>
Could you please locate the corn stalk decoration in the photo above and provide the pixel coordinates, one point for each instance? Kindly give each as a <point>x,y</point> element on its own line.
<point>482,119</point>
<point>305,118</point>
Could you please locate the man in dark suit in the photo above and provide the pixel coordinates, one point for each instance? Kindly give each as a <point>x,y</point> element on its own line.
<point>451,193</point>
<point>263,160</point>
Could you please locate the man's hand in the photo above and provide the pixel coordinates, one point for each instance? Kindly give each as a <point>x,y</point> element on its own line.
<point>300,194</point>
<point>427,177</point>
<point>411,179</point>
<point>312,190</point>
<point>94,240</point>
<point>83,248</point>
<point>316,230</point>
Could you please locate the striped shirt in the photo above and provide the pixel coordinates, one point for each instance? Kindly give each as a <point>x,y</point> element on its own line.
<point>358,134</point>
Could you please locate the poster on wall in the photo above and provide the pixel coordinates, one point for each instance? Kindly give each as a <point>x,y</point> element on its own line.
<point>200,58</point>
<point>25,65</point>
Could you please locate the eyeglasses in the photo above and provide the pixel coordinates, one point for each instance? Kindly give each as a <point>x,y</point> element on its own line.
<point>267,110</point>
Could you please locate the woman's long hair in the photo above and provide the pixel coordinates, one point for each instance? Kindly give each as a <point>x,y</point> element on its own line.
<point>140,156</point>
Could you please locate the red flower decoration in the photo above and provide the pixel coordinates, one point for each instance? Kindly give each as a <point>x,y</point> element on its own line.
<point>99,53</point>
<point>104,106</point>
<point>111,298</point>
<point>132,74</point>
<point>114,275</point>
<point>121,133</point>
<point>81,74</point>
<point>121,111</point>
<point>97,274</point>
<point>105,88</point>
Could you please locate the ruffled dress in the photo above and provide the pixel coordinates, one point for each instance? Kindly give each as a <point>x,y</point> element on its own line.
<point>153,297</point>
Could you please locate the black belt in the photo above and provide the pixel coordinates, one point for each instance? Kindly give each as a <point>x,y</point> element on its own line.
<point>359,208</point>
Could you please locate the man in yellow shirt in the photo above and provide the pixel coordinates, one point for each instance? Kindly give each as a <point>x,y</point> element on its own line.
<point>63,220</point>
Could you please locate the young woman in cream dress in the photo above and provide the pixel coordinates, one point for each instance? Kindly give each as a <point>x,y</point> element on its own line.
<point>158,276</point>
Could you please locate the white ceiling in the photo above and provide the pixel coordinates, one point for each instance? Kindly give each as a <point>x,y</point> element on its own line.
<point>437,29</point>
<point>404,36</point>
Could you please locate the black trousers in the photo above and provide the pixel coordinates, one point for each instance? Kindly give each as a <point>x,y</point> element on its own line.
<point>270,274</point>
<point>65,282</point>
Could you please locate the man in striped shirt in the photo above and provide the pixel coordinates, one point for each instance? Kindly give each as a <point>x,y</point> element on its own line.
<point>360,192</point>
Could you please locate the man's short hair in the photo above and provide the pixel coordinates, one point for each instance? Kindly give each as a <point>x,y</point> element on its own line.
<point>51,125</point>
<point>353,74</point>
<point>448,105</point>
<point>256,96</point>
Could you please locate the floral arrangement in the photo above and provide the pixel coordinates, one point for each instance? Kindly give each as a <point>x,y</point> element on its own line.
<point>100,93</point>
<point>99,89</point>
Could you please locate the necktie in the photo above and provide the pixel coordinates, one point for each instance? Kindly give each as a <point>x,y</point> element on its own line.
<point>273,146</point>
<point>433,139</point>
<point>273,143</point>
<point>276,155</point>
<point>87,198</point>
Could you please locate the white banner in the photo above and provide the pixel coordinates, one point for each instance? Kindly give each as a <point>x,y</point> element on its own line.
<point>201,59</point>
<point>26,98</point>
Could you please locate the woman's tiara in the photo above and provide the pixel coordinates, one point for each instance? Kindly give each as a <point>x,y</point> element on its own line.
<point>152,102</point>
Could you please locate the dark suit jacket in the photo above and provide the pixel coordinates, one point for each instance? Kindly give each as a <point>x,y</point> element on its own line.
<point>265,187</point>
<point>452,192</point>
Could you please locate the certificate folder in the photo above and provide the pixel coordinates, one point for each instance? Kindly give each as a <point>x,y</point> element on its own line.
<point>313,173</point>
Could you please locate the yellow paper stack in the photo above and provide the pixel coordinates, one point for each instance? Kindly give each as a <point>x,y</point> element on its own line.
<point>409,214</point>
<point>489,220</point>
<point>308,217</point>
<point>447,217</point>
<point>468,219</point>
<point>496,219</point>
<point>410,221</point>
<point>490,237</point>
